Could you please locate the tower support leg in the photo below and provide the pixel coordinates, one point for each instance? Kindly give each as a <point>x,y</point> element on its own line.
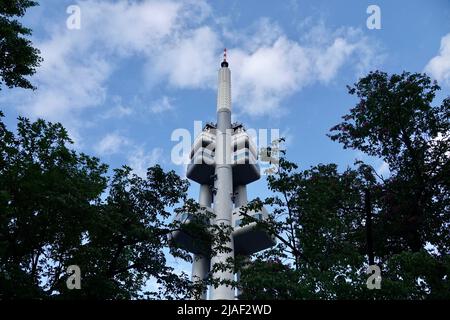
<point>200,270</point>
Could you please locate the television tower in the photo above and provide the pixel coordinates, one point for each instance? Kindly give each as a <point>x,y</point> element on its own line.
<point>223,161</point>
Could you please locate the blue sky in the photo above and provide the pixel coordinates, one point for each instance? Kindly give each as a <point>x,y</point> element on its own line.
<point>137,70</point>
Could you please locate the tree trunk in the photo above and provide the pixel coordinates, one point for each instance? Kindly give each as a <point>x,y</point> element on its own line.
<point>369,233</point>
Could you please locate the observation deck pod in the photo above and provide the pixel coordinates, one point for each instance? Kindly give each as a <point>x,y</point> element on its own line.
<point>250,238</point>
<point>245,158</point>
<point>189,238</point>
<point>201,168</point>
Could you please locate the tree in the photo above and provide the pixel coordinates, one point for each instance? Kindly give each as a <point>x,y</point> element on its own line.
<point>53,215</point>
<point>321,211</point>
<point>126,237</point>
<point>395,121</point>
<point>46,192</point>
<point>332,225</point>
<point>18,58</point>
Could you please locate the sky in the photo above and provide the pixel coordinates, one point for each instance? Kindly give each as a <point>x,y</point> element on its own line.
<point>136,71</point>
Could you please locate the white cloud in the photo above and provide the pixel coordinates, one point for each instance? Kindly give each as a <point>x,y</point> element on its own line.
<point>262,78</point>
<point>328,63</point>
<point>189,60</point>
<point>79,63</point>
<point>439,66</point>
<point>112,143</point>
<point>162,105</point>
<point>118,110</point>
<point>180,48</point>
<point>140,160</point>
<point>265,75</point>
<point>137,157</point>
<point>262,32</point>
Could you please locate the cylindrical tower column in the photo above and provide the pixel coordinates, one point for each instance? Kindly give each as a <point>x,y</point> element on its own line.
<point>223,204</point>
<point>240,196</point>
<point>200,269</point>
<point>245,261</point>
<point>240,200</point>
<point>201,263</point>
<point>205,198</point>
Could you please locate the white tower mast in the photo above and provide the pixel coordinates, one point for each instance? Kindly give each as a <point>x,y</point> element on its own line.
<point>223,204</point>
<point>223,161</point>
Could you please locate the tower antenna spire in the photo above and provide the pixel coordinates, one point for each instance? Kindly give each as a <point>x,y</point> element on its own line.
<point>224,63</point>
